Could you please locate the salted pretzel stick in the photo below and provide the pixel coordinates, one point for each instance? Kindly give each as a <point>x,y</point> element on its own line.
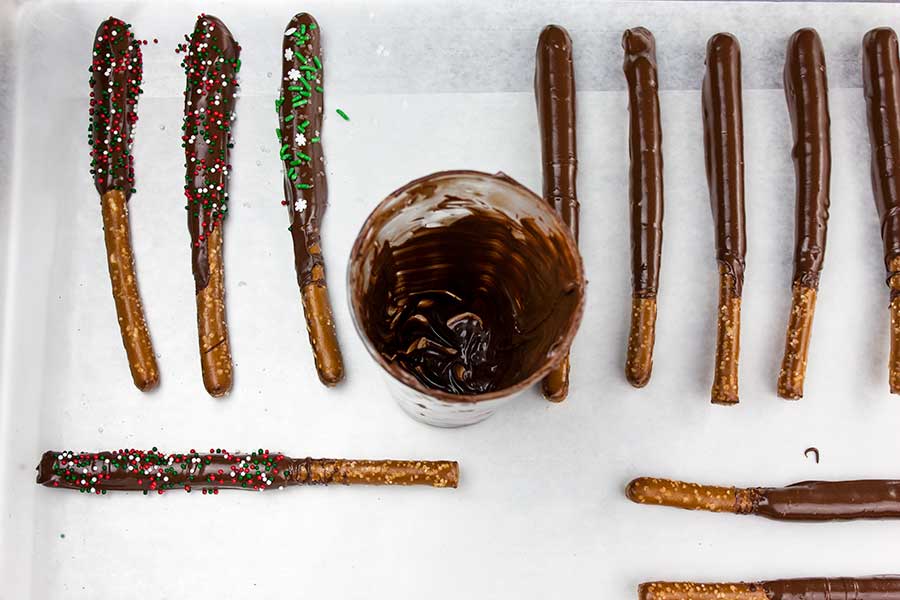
<point>153,471</point>
<point>645,192</point>
<point>300,108</point>
<point>881,82</point>
<point>806,501</point>
<point>211,64</point>
<point>869,588</point>
<point>723,133</point>
<point>554,91</point>
<point>806,91</point>
<point>116,75</point>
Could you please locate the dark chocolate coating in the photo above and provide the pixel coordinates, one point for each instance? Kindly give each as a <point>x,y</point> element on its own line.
<point>806,91</point>
<point>477,305</point>
<point>211,66</point>
<point>723,136</point>
<point>830,500</point>
<point>153,471</point>
<point>645,183</point>
<point>116,75</point>
<point>307,158</point>
<point>881,82</point>
<point>869,588</point>
<point>554,91</point>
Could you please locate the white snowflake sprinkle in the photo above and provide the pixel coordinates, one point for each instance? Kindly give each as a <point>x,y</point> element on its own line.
<point>293,74</point>
<point>288,55</point>
<point>300,139</point>
<point>300,205</point>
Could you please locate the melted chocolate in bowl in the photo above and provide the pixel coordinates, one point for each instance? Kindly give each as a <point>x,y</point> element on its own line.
<point>466,286</point>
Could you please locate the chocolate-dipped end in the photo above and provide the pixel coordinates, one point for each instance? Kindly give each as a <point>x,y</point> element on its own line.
<point>881,83</point>
<point>645,192</point>
<point>211,64</point>
<point>867,588</point>
<point>154,471</point>
<point>300,111</point>
<point>806,92</point>
<point>127,297</point>
<point>554,91</point>
<point>691,496</point>
<point>465,286</point>
<point>116,76</point>
<point>724,148</point>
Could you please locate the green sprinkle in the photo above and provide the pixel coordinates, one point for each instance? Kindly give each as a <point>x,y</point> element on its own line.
<point>289,118</point>
<point>298,102</point>
<point>314,140</point>
<point>293,177</point>
<point>308,68</point>
<point>303,186</point>
<point>295,88</point>
<point>278,133</point>
<point>304,124</point>
<point>313,26</point>
<point>303,156</point>
<point>305,83</point>
<point>237,65</point>
<point>300,56</point>
<point>342,114</point>
<point>284,148</point>
<point>318,62</point>
<point>320,89</point>
<point>296,162</point>
<point>303,29</point>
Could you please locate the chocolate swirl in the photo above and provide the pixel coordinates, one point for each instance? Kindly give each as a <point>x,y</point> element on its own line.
<point>645,188</point>
<point>723,136</point>
<point>806,89</point>
<point>300,110</point>
<point>116,76</point>
<point>881,82</point>
<point>554,87</point>
<point>153,471</point>
<point>211,64</point>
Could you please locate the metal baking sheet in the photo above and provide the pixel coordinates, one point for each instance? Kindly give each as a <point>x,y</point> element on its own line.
<point>540,511</point>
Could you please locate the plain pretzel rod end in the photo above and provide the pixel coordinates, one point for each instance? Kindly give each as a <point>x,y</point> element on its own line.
<point>683,590</point>
<point>690,496</point>
<point>215,349</point>
<point>796,345</point>
<point>322,335</point>
<point>639,357</point>
<point>555,386</point>
<point>728,341</point>
<point>127,297</point>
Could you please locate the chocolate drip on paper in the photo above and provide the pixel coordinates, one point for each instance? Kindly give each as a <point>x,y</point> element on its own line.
<point>723,136</point>
<point>806,89</point>
<point>300,110</point>
<point>211,65</point>
<point>554,89</point>
<point>881,82</point>
<point>154,471</point>
<point>116,76</point>
<point>645,188</point>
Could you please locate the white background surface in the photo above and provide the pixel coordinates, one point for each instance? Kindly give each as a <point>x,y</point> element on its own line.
<point>540,511</point>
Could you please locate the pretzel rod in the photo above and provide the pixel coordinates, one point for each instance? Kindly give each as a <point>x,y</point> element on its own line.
<point>881,82</point>
<point>154,471</point>
<point>805,501</point>
<point>300,109</point>
<point>211,64</point>
<point>806,91</point>
<point>116,76</point>
<point>868,588</point>
<point>554,91</point>
<point>723,132</point>
<point>646,199</point>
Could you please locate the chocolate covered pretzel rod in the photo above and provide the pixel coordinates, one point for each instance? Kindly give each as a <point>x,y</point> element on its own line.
<point>211,64</point>
<point>881,82</point>
<point>723,135</point>
<point>645,191</point>
<point>300,109</point>
<point>116,75</point>
<point>554,91</point>
<point>868,588</point>
<point>806,501</point>
<point>806,91</point>
<point>153,471</point>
